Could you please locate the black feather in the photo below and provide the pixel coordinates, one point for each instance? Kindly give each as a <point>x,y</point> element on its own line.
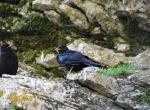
<point>70,58</point>
<point>8,60</point>
<point>10,1</point>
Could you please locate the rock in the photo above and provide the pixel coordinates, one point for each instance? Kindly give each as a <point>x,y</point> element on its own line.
<point>95,18</point>
<point>53,16</point>
<point>121,44</point>
<point>40,93</point>
<point>101,14</point>
<point>90,78</point>
<point>128,100</point>
<point>141,61</point>
<point>48,61</point>
<point>84,15</point>
<point>76,17</point>
<point>141,78</point>
<point>136,10</point>
<point>100,54</point>
<point>44,5</point>
<point>20,18</point>
<point>122,47</point>
<point>130,91</point>
<point>121,90</point>
<point>128,96</point>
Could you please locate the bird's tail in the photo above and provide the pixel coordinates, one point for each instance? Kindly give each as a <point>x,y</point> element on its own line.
<point>90,62</point>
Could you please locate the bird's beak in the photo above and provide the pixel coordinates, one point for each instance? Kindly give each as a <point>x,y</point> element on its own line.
<point>57,50</point>
<point>13,47</point>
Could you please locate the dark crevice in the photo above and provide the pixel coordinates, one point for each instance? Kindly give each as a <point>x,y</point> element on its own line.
<point>73,5</point>
<point>113,98</point>
<point>93,23</point>
<point>10,1</point>
<point>139,38</point>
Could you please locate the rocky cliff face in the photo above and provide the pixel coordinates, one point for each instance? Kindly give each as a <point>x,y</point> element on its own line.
<point>97,16</point>
<point>105,20</point>
<point>86,90</point>
<point>38,25</point>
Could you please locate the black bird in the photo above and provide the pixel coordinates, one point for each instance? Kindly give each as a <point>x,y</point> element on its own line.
<point>8,59</point>
<point>73,60</point>
<point>10,1</point>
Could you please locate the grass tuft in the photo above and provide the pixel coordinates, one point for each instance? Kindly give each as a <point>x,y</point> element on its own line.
<point>14,107</point>
<point>145,97</point>
<point>121,69</point>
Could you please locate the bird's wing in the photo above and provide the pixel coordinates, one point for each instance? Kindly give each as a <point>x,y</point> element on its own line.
<point>70,58</point>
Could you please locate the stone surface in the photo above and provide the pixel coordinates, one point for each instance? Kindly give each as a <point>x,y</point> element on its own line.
<point>121,44</point>
<point>138,10</point>
<point>40,93</point>
<point>100,54</point>
<point>75,16</point>
<point>122,47</point>
<point>104,19</point>
<point>141,78</point>
<point>128,95</point>
<point>91,78</point>
<point>21,19</point>
<point>141,61</point>
<point>88,18</point>
<point>103,15</point>
<point>48,61</point>
<point>45,4</point>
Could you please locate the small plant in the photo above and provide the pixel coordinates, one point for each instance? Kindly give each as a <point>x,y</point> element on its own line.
<point>120,69</point>
<point>145,97</point>
<point>11,107</point>
<point>38,69</point>
<point>14,107</point>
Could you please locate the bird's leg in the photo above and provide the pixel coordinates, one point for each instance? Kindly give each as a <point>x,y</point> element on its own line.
<point>70,70</point>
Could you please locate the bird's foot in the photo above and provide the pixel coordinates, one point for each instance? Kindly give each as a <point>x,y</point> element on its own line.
<point>70,71</point>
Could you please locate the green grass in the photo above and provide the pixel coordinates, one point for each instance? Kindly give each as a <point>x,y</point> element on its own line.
<point>145,97</point>
<point>121,69</point>
<point>14,107</point>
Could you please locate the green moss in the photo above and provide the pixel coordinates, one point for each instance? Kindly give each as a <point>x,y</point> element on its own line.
<point>38,69</point>
<point>14,98</point>
<point>145,97</point>
<point>1,93</point>
<point>120,69</point>
<point>35,23</point>
<point>14,107</point>
<point>29,56</point>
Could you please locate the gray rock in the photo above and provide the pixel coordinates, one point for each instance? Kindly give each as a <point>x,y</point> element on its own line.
<point>138,10</point>
<point>40,93</point>
<point>141,78</point>
<point>122,47</point>
<point>44,5</point>
<point>100,54</point>
<point>128,101</point>
<point>53,16</point>
<point>128,95</point>
<point>48,61</point>
<point>141,61</point>
<point>90,78</point>
<point>129,88</point>
<point>76,17</point>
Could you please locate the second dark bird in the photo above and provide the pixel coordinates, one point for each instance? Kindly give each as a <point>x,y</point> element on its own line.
<point>73,60</point>
<point>8,59</point>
